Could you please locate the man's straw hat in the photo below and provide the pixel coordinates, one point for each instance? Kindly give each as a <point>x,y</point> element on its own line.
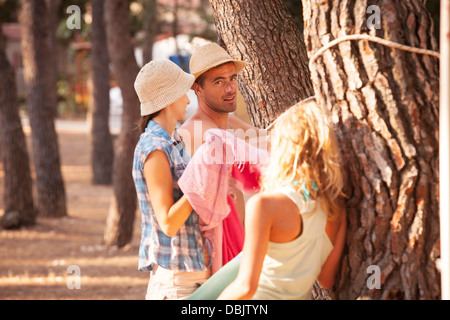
<point>159,84</point>
<point>209,56</point>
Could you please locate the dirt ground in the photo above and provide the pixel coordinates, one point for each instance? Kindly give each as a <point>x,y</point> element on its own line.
<point>42,262</point>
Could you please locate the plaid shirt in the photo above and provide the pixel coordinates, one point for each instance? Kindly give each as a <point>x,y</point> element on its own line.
<point>184,251</point>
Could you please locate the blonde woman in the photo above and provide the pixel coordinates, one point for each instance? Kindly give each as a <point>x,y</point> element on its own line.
<point>294,228</point>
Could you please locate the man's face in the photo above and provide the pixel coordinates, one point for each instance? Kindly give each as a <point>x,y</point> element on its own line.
<point>218,89</point>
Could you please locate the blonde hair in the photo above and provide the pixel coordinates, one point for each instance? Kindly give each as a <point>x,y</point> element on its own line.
<point>304,155</point>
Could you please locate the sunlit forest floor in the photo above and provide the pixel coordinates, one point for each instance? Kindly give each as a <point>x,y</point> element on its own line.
<point>34,262</point>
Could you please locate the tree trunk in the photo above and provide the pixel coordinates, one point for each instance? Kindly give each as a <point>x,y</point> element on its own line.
<point>102,144</point>
<point>41,100</point>
<point>384,105</point>
<point>52,15</point>
<point>18,196</point>
<point>119,226</point>
<point>151,27</point>
<point>263,34</point>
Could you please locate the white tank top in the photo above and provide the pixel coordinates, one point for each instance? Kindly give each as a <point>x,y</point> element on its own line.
<point>290,268</point>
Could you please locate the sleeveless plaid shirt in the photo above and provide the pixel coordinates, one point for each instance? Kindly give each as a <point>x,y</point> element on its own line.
<point>183,251</point>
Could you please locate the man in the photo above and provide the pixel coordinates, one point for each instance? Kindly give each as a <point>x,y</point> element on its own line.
<point>215,85</point>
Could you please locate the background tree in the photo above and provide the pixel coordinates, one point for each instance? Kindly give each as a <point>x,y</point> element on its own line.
<point>119,226</point>
<point>151,28</point>
<point>52,16</point>
<point>264,34</point>
<point>41,101</point>
<point>18,197</point>
<point>384,105</point>
<point>102,155</point>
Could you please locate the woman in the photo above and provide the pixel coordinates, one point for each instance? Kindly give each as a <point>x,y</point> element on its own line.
<point>171,245</point>
<point>294,232</point>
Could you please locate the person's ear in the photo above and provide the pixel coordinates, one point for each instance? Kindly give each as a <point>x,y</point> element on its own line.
<point>197,88</point>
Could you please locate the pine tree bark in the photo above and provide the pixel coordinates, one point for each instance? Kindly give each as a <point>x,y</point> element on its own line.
<point>263,34</point>
<point>41,101</point>
<point>384,105</point>
<point>18,196</point>
<point>119,228</point>
<point>102,155</point>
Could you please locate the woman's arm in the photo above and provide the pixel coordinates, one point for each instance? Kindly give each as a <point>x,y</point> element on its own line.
<point>257,233</point>
<point>170,216</point>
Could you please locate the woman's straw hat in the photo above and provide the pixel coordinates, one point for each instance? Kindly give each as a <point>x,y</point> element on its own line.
<point>159,84</point>
<point>209,56</point>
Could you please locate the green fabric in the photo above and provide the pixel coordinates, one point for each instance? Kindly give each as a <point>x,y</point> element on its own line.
<point>214,286</point>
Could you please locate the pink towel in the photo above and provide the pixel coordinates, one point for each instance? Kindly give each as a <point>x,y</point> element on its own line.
<point>233,234</point>
<point>205,182</point>
<point>247,177</point>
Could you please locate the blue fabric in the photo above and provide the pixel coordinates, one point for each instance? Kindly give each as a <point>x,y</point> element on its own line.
<point>183,251</point>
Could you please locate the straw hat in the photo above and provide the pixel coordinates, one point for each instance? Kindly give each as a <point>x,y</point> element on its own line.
<point>159,84</point>
<point>209,56</point>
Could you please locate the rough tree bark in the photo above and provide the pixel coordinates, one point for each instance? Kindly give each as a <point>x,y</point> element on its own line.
<point>102,155</point>
<point>18,196</point>
<point>119,228</point>
<point>263,34</point>
<point>384,104</point>
<point>41,101</point>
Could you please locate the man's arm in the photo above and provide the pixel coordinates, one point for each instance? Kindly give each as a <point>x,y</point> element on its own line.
<point>255,136</point>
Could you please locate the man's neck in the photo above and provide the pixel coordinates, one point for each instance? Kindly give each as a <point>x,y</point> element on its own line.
<point>219,119</point>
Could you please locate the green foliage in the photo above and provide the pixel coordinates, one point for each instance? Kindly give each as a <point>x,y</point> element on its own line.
<point>63,5</point>
<point>64,34</point>
<point>137,19</point>
<point>67,98</point>
<point>207,33</point>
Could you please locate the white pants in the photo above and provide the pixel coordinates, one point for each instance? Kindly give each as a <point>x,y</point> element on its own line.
<point>167,284</point>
